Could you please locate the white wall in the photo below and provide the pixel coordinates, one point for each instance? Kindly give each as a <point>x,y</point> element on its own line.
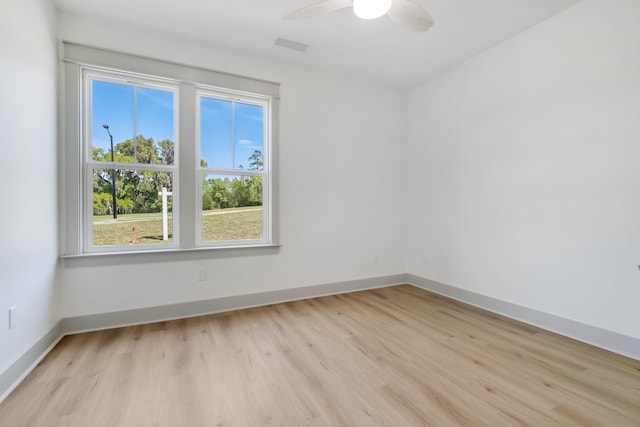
<point>28,175</point>
<point>525,169</point>
<point>341,173</point>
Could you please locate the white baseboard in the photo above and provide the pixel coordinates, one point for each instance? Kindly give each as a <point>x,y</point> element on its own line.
<point>608,340</point>
<point>18,370</point>
<point>94,322</point>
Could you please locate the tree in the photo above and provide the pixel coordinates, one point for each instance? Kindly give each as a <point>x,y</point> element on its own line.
<point>207,201</point>
<point>219,192</point>
<point>239,193</point>
<point>256,161</point>
<point>166,151</point>
<point>254,191</point>
<point>140,149</point>
<point>136,190</point>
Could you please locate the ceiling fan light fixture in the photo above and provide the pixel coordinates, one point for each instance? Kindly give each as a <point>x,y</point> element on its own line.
<point>371,9</point>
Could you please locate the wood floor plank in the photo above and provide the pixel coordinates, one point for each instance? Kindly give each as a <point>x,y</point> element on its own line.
<point>396,356</point>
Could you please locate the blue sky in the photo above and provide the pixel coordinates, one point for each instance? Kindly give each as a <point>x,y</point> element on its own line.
<point>223,143</point>
<point>222,146</point>
<point>113,104</point>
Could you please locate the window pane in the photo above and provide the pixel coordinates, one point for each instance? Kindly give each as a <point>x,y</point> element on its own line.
<point>155,123</point>
<point>232,208</point>
<point>111,105</point>
<point>249,136</point>
<point>216,133</point>
<point>139,216</point>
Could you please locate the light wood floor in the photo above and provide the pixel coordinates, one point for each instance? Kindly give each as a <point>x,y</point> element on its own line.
<point>397,356</point>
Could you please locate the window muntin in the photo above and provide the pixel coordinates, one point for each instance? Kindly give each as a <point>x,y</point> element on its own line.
<point>138,116</point>
<point>233,169</point>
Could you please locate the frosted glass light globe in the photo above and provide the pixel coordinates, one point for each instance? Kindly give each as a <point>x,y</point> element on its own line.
<point>371,9</point>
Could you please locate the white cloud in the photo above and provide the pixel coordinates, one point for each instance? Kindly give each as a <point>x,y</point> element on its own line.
<point>244,142</point>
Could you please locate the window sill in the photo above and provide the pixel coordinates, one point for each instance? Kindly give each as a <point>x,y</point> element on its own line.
<point>163,255</point>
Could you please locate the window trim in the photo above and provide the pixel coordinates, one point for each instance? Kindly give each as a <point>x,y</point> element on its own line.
<point>185,211</point>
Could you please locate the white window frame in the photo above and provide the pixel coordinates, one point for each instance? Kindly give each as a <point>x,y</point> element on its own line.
<point>265,173</point>
<point>90,74</point>
<point>76,185</point>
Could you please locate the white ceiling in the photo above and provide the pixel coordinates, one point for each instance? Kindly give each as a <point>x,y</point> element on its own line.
<point>377,50</point>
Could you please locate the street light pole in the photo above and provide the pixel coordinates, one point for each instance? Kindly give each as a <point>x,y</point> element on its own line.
<point>113,177</point>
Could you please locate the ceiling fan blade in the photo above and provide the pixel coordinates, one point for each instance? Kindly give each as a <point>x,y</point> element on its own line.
<point>410,15</point>
<point>319,8</point>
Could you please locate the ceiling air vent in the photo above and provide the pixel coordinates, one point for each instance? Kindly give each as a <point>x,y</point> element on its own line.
<point>290,44</point>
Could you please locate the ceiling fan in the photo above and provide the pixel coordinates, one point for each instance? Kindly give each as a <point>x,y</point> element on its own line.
<point>403,12</point>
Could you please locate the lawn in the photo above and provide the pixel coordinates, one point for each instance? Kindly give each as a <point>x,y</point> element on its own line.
<point>232,224</point>
<point>146,229</point>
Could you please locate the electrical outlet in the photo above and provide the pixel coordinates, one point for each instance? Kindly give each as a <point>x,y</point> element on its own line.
<point>376,259</point>
<point>12,317</point>
<point>425,259</point>
<point>202,275</point>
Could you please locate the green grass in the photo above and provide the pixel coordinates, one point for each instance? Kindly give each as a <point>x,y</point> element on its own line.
<point>245,224</point>
<point>130,230</point>
<point>146,229</point>
<point>128,216</point>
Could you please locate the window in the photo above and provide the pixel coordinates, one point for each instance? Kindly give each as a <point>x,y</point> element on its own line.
<point>130,165</point>
<point>232,168</point>
<point>161,156</point>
